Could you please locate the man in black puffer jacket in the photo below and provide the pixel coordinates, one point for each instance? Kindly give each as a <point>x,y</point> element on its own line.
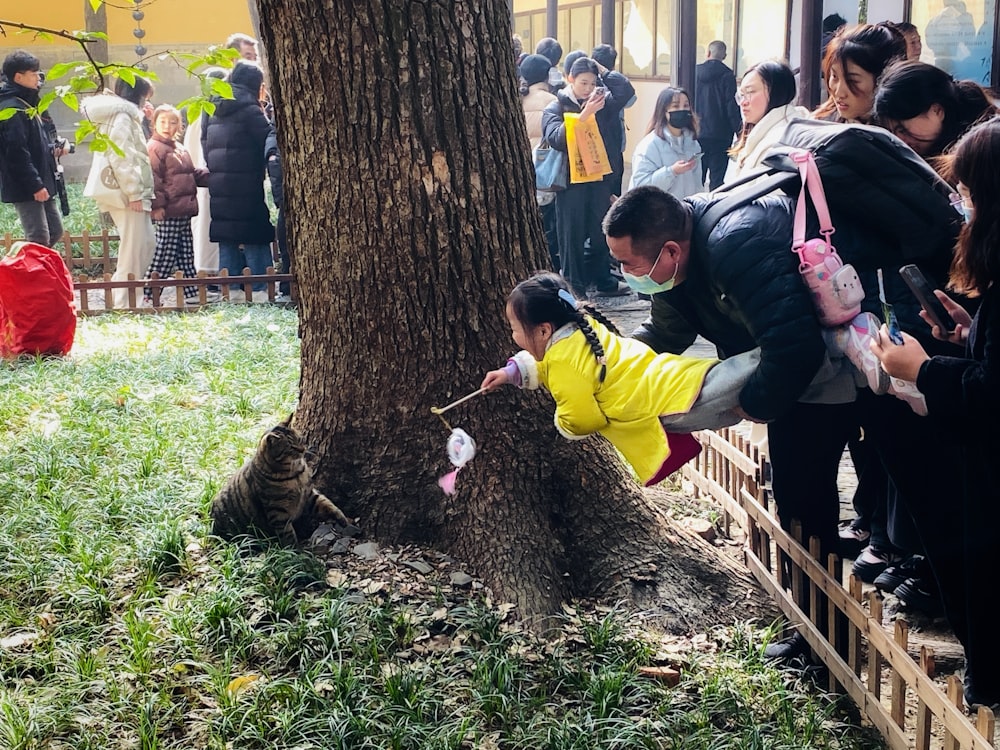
<point>27,159</point>
<point>233,141</point>
<point>743,290</point>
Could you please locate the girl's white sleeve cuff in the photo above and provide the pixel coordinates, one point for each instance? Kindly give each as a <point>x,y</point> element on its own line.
<point>528,368</point>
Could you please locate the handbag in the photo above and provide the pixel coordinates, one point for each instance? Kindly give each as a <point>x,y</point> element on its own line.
<point>550,168</point>
<point>102,183</point>
<point>835,286</point>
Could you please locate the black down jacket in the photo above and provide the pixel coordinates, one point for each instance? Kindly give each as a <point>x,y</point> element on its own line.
<point>233,143</point>
<point>26,161</point>
<point>743,290</point>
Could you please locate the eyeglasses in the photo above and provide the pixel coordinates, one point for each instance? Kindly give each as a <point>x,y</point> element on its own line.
<point>743,96</point>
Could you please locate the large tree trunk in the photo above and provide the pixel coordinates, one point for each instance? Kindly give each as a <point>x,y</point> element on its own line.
<point>411,214</point>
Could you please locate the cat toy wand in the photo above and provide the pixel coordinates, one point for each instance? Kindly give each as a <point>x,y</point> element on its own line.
<point>442,409</point>
<point>461,446</point>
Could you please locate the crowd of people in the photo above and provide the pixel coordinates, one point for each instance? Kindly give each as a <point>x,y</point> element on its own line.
<point>915,416</point>
<point>182,198</point>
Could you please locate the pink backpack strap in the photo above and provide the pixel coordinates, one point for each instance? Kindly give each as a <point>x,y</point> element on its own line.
<point>813,186</point>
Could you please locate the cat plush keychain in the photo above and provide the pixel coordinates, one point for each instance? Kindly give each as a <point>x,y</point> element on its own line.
<point>461,446</point>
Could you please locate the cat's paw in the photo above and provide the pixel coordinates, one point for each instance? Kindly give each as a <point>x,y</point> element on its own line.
<point>326,510</point>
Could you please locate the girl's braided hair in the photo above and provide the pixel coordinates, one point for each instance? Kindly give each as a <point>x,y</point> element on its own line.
<point>546,298</point>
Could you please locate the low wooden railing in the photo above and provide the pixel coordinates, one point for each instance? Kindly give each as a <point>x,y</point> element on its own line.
<point>731,471</point>
<point>92,257</point>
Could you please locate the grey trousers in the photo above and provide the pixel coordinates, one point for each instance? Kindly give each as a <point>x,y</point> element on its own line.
<point>41,221</point>
<point>719,397</point>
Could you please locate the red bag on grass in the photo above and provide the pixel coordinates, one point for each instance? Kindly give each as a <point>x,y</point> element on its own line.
<point>37,308</point>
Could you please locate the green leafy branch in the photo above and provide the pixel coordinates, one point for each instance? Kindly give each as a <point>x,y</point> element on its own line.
<point>75,78</point>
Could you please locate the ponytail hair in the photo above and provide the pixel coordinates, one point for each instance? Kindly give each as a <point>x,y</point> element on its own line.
<point>547,298</point>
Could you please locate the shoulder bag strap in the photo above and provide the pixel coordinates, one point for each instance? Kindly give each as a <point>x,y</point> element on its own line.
<point>812,186</point>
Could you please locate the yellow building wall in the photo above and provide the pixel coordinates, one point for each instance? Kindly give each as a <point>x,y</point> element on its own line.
<point>187,22</point>
<point>174,25</point>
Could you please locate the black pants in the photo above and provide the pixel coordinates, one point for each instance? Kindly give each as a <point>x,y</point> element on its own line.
<point>922,467</point>
<point>281,235</point>
<point>580,209</point>
<point>805,447</point>
<point>551,226</point>
<point>714,160</point>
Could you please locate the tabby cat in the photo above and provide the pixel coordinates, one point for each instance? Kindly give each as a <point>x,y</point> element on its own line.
<point>272,495</point>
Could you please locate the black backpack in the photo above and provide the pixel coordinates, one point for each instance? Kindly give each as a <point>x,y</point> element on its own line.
<point>879,191</point>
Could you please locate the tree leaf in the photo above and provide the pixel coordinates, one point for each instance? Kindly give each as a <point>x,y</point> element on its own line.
<point>241,683</point>
<point>219,88</point>
<point>60,69</point>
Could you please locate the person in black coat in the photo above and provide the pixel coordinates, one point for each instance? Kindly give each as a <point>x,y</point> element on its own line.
<point>718,113</point>
<point>963,405</point>
<point>233,141</point>
<point>27,158</point>
<point>581,206</point>
<point>742,290</point>
<point>274,173</point>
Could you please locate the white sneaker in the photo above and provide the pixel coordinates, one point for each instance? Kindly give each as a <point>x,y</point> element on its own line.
<point>260,296</point>
<point>852,340</point>
<point>907,391</point>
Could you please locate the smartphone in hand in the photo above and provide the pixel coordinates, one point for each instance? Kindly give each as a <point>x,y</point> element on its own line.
<point>924,293</point>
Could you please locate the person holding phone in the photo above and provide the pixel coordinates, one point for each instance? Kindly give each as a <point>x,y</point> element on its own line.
<point>963,403</point>
<point>580,208</point>
<point>668,156</point>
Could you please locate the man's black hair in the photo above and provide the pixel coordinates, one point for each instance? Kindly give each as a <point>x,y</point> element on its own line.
<point>605,55</point>
<point>550,48</point>
<point>19,62</point>
<point>833,22</point>
<point>650,217</point>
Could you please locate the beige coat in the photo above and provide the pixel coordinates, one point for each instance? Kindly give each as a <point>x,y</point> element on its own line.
<point>537,99</point>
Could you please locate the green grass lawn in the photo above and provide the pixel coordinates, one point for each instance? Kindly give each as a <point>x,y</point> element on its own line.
<point>123,624</point>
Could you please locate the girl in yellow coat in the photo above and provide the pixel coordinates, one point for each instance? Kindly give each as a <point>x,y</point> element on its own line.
<point>615,386</point>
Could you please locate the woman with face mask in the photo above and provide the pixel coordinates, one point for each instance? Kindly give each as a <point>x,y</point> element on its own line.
<point>669,156</point>
<point>963,404</point>
<point>765,95</point>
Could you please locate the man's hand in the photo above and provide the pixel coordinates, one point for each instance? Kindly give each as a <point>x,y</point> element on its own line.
<point>42,195</point>
<point>158,214</point>
<point>738,411</point>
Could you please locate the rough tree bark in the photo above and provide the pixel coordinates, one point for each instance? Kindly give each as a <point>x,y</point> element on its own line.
<point>411,214</point>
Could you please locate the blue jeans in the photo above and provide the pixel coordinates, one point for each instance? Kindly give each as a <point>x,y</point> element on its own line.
<point>255,257</point>
<point>41,221</point>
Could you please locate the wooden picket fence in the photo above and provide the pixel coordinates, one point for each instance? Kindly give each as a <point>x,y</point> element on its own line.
<point>877,672</point>
<point>91,263</point>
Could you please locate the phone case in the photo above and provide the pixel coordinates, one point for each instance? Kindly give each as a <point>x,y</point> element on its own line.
<point>924,293</point>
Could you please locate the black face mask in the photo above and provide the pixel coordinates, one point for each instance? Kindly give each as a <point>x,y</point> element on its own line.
<point>680,119</point>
